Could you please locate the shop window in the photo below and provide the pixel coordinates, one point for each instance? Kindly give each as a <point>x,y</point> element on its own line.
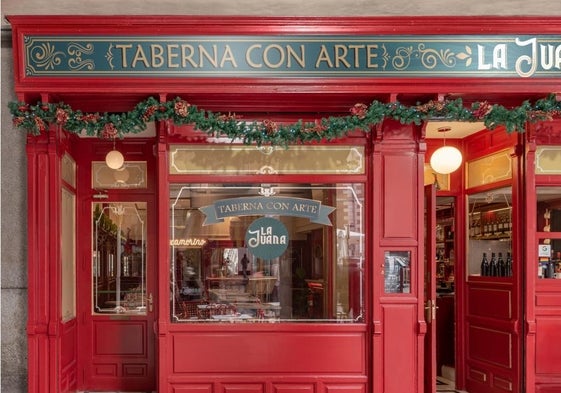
<point>242,160</point>
<point>131,175</point>
<point>489,248</point>
<point>119,258</point>
<point>548,226</point>
<point>262,252</point>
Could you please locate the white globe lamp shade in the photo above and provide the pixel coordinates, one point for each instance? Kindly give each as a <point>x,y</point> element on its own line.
<point>446,159</point>
<point>114,159</point>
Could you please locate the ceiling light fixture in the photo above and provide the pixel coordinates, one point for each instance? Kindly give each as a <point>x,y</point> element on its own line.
<point>114,159</point>
<point>445,159</point>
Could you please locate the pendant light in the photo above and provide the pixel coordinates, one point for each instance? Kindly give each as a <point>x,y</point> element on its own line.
<point>114,159</point>
<point>445,159</point>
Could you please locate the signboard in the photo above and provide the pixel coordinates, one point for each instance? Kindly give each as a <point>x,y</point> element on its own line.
<point>281,206</point>
<point>267,238</point>
<point>301,56</point>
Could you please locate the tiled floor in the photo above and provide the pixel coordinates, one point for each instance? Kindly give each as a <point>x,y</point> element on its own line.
<point>444,385</point>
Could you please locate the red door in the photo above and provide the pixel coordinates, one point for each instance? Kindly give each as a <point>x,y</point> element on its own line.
<point>430,289</point>
<point>116,302</point>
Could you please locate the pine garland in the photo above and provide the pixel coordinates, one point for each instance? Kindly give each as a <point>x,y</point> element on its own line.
<point>36,119</point>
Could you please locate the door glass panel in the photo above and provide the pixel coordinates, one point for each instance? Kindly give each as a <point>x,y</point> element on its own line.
<point>251,253</point>
<point>549,224</point>
<point>119,257</point>
<point>489,231</point>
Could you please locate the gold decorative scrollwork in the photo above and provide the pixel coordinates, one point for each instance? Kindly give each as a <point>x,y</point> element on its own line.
<point>402,58</point>
<point>109,56</point>
<point>429,58</point>
<point>46,56</point>
<point>77,51</point>
<point>267,170</point>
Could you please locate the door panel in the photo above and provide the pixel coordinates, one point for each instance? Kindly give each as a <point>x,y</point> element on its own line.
<point>116,334</point>
<point>430,289</point>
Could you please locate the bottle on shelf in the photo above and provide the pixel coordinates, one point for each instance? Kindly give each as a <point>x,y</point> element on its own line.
<point>501,266</point>
<point>477,228</point>
<point>484,265</point>
<point>493,265</point>
<point>508,265</point>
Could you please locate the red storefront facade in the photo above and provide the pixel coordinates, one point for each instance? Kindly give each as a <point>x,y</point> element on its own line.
<point>340,295</point>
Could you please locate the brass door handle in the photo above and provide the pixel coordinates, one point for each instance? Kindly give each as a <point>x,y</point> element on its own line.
<point>150,303</point>
<point>430,310</point>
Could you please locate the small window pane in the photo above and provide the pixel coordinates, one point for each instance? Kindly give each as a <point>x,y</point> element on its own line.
<point>397,272</point>
<point>131,175</point>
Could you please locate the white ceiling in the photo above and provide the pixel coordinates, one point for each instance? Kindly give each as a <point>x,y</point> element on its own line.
<point>456,129</point>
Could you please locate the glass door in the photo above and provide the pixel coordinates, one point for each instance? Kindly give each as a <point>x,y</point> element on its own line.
<point>117,339</point>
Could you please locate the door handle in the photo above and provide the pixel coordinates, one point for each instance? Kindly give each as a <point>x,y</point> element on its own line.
<point>430,310</point>
<point>150,303</point>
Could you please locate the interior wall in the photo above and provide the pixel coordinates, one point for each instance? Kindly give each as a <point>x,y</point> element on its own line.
<point>13,161</point>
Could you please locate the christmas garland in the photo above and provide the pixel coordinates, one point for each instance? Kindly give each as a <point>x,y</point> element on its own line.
<point>36,119</point>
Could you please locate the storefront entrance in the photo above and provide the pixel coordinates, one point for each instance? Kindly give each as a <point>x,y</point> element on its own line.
<point>216,208</point>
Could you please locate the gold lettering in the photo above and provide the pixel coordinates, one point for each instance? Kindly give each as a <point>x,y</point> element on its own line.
<point>203,53</point>
<point>340,54</point>
<point>248,59</point>
<point>266,56</point>
<point>157,55</point>
<point>172,55</point>
<point>293,55</point>
<point>228,56</point>
<point>355,49</point>
<point>140,56</point>
<point>370,54</point>
<point>124,48</point>
<point>324,57</point>
<point>187,56</point>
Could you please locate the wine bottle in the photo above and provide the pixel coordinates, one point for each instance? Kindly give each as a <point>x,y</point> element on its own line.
<point>484,265</point>
<point>508,265</point>
<point>501,266</point>
<point>493,265</point>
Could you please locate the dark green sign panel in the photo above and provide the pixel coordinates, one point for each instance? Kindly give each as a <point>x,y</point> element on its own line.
<point>281,206</point>
<point>267,238</point>
<point>294,56</point>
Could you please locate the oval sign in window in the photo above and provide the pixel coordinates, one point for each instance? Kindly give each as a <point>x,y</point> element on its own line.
<point>266,238</point>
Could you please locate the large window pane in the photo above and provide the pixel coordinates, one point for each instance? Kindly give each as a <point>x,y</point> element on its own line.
<point>267,252</point>
<point>119,258</point>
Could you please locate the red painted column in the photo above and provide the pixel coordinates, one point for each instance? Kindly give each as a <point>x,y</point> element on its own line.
<point>162,197</point>
<point>43,326</point>
<point>398,210</point>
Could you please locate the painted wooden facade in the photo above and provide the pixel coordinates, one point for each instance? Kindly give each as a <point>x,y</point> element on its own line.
<point>505,329</point>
